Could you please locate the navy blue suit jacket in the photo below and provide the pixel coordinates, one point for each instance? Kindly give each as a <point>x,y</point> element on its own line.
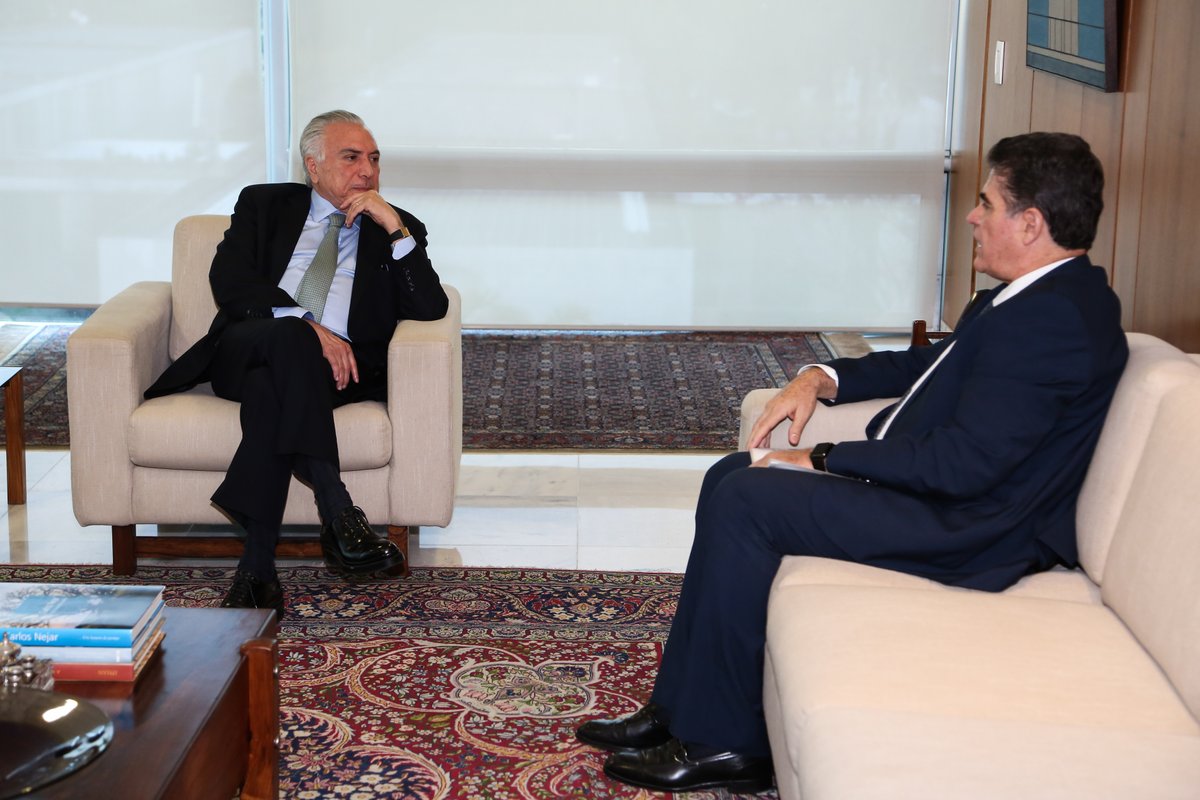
<point>252,257</point>
<point>997,442</point>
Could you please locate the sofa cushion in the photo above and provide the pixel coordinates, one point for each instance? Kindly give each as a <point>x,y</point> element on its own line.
<point>1058,584</point>
<point>213,430</point>
<point>1153,575</point>
<point>1154,368</point>
<point>892,692</point>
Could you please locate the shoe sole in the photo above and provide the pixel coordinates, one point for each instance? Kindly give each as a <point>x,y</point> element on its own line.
<point>748,786</point>
<point>609,747</point>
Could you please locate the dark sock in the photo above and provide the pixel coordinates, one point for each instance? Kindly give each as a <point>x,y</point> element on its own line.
<point>258,558</point>
<point>332,497</point>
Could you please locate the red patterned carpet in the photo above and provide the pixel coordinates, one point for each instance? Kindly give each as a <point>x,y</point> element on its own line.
<point>453,683</point>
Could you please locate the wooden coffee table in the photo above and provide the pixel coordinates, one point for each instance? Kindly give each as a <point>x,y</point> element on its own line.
<point>201,721</point>
<point>14,425</point>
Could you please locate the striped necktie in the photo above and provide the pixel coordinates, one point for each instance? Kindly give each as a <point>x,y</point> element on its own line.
<point>314,286</point>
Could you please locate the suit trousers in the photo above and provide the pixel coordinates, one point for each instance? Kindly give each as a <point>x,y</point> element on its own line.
<point>275,369</point>
<point>711,678</point>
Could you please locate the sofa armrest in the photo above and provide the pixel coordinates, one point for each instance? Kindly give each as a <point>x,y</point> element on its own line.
<point>828,424</point>
<point>111,358</point>
<point>425,409</point>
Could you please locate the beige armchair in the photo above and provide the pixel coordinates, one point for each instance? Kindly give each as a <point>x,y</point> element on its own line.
<point>159,461</point>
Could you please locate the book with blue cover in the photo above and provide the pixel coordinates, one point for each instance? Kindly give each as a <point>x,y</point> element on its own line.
<point>77,615</point>
<point>92,654</point>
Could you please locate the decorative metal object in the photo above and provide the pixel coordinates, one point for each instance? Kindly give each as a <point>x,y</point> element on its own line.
<point>18,671</point>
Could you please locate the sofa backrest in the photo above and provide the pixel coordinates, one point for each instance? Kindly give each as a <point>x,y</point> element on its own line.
<point>1154,369</point>
<point>192,306</point>
<point>1152,580</point>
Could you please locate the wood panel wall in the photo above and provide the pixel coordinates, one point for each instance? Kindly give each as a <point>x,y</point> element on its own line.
<point>1147,136</point>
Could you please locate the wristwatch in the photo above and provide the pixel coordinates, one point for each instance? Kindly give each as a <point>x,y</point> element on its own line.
<point>399,233</point>
<point>818,455</point>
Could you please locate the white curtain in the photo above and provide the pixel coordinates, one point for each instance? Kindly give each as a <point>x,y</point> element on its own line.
<point>118,117</point>
<point>664,163</point>
<point>649,163</point>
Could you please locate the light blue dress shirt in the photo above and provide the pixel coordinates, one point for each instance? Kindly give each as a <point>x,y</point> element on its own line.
<point>337,306</point>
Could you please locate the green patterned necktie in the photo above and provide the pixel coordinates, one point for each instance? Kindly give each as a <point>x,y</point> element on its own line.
<point>314,286</point>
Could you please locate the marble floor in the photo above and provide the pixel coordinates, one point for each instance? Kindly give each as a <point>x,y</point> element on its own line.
<point>594,510</point>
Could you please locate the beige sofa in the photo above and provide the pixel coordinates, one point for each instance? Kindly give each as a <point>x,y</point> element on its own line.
<point>1071,684</point>
<point>159,461</point>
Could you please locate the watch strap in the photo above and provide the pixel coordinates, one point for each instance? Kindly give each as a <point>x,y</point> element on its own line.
<point>819,454</point>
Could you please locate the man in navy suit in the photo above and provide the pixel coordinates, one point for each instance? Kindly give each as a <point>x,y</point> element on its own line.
<point>970,479</point>
<point>290,363</point>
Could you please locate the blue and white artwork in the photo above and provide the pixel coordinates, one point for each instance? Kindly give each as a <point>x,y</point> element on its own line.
<point>1076,39</point>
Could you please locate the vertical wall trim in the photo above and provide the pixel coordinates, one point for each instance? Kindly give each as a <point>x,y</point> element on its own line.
<point>277,94</point>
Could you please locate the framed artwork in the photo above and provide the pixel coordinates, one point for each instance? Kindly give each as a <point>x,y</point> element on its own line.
<point>1076,39</point>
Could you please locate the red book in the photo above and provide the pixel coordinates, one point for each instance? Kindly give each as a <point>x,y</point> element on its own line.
<point>67,671</point>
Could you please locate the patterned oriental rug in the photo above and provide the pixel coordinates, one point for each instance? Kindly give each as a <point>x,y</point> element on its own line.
<point>41,352</point>
<point>620,390</point>
<point>682,390</point>
<point>452,683</point>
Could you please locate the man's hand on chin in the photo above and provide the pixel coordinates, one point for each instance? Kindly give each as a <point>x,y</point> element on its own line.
<point>374,206</point>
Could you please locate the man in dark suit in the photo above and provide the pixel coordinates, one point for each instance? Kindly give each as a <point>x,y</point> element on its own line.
<point>970,479</point>
<point>360,266</point>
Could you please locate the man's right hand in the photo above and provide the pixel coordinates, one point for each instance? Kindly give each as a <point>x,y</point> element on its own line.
<point>796,402</point>
<point>339,355</point>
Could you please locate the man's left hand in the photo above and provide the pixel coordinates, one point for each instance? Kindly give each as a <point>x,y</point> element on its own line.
<point>374,206</point>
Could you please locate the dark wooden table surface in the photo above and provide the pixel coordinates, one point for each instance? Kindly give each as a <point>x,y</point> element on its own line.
<point>183,729</point>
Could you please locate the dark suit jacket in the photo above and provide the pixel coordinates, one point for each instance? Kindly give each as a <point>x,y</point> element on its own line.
<point>999,438</point>
<point>252,257</point>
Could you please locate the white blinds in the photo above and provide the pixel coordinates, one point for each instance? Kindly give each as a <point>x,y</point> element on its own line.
<point>118,117</point>
<point>632,162</point>
<point>776,163</point>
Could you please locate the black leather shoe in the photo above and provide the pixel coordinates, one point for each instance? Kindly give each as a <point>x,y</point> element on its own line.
<point>629,734</point>
<point>250,592</point>
<point>351,547</point>
<point>668,768</point>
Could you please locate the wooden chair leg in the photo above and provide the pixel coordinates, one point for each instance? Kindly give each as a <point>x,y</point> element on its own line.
<point>398,535</point>
<point>124,550</point>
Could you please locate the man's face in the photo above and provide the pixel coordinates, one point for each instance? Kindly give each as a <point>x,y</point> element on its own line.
<point>350,165</point>
<point>998,234</point>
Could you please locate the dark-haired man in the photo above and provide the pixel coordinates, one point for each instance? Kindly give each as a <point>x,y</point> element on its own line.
<point>310,281</point>
<point>970,479</point>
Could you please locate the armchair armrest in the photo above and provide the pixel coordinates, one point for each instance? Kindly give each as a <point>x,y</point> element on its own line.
<point>828,424</point>
<point>425,409</point>
<point>111,358</point>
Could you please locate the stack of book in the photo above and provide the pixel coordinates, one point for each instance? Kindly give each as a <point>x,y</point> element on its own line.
<point>89,632</point>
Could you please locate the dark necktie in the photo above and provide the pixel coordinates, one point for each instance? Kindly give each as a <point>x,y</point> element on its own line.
<point>314,286</point>
<point>984,303</point>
